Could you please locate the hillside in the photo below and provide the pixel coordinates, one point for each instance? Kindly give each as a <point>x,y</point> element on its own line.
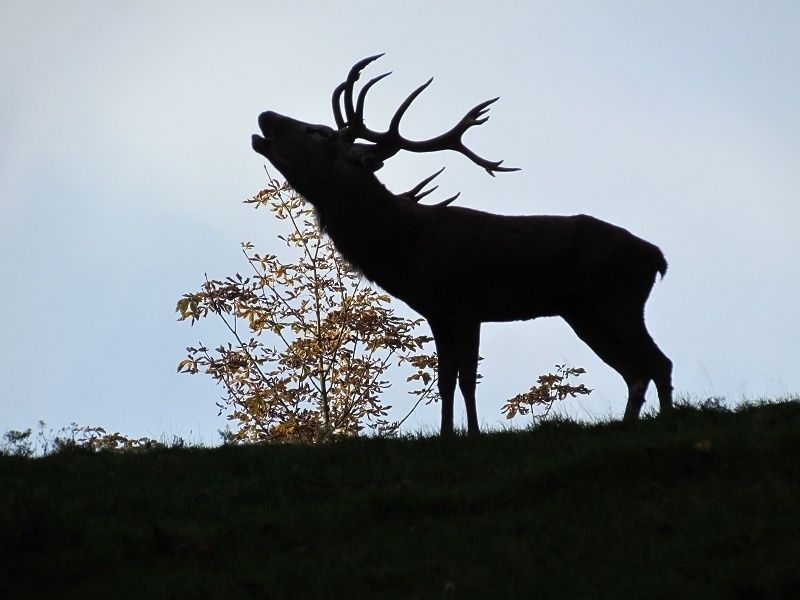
<point>702,505</point>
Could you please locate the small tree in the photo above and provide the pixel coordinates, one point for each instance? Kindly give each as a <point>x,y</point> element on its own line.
<point>310,364</point>
<point>551,387</point>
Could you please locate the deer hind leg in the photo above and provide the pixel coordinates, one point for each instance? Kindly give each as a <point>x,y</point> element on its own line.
<point>656,365</point>
<point>621,351</point>
<point>662,376</point>
<point>447,372</point>
<point>636,390</point>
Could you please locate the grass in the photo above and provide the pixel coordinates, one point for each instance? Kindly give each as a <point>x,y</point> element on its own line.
<point>701,505</point>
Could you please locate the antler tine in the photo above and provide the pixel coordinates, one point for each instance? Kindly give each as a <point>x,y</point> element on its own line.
<point>352,77</point>
<point>336,101</point>
<point>491,166</point>
<point>363,94</point>
<point>414,197</point>
<point>347,87</point>
<point>414,194</point>
<point>394,125</point>
<point>448,200</point>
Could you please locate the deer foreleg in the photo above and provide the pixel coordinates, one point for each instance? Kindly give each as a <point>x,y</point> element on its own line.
<point>467,344</point>
<point>447,372</point>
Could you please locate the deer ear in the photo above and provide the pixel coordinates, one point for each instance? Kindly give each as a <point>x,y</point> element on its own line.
<point>365,159</point>
<point>370,163</point>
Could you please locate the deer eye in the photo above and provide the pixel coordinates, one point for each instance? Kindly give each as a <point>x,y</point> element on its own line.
<point>319,131</point>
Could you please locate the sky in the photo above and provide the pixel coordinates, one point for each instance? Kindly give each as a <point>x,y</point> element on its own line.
<point>125,158</point>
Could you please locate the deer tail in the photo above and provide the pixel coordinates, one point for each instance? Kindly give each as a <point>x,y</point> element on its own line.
<point>661,264</point>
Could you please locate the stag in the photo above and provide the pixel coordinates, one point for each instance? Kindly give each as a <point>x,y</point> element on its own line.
<point>459,267</point>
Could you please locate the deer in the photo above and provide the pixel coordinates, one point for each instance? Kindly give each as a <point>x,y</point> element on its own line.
<point>459,267</point>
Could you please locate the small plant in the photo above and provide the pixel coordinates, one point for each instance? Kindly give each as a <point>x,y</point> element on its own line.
<point>308,363</point>
<point>97,439</point>
<point>549,388</point>
<point>74,438</point>
<point>17,443</point>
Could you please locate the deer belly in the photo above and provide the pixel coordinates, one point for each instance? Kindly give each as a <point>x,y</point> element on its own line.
<point>502,304</point>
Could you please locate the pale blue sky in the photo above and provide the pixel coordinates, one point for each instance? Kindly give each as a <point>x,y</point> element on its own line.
<point>124,157</point>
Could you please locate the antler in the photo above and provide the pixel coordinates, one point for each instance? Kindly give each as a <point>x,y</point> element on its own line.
<point>347,87</point>
<point>416,193</point>
<point>388,143</point>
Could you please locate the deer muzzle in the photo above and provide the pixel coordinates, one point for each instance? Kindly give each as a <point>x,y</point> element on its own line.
<point>266,122</point>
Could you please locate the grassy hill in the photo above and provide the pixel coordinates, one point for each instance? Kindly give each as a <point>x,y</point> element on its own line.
<point>702,505</point>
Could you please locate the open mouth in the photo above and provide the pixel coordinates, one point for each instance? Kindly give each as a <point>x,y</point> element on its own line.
<point>260,144</point>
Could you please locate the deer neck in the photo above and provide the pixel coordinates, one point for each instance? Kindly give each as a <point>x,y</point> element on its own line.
<point>370,227</point>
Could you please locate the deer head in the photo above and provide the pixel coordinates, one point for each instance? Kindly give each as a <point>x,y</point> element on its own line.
<point>313,157</point>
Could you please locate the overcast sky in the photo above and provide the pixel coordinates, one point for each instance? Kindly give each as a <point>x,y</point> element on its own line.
<point>125,157</point>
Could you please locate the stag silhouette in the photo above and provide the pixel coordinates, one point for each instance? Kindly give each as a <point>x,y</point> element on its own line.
<point>459,267</point>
